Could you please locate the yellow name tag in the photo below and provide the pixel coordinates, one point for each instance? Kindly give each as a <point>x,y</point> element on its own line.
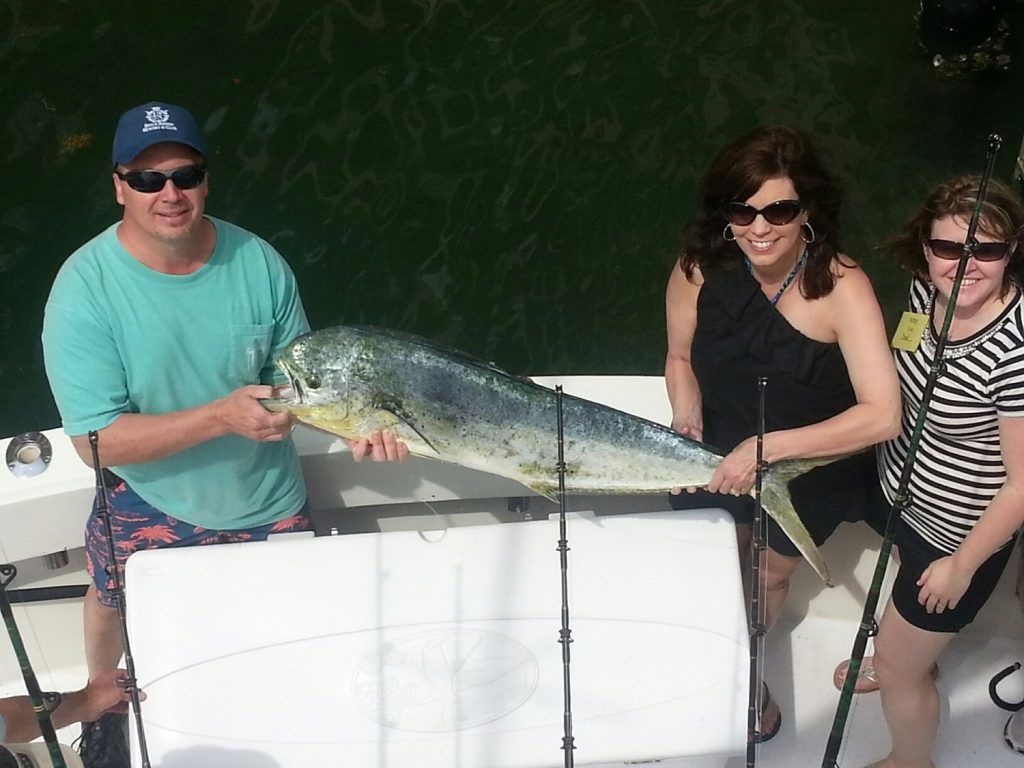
<point>909,331</point>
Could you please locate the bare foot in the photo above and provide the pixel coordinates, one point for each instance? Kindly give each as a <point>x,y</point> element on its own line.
<point>771,718</point>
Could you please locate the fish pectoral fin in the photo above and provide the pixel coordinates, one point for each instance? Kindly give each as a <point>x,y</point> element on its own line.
<point>395,411</point>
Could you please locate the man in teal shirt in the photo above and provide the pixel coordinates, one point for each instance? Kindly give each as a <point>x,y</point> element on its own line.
<point>160,335</point>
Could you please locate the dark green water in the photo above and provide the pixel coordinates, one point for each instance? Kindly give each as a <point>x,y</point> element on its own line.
<point>506,177</point>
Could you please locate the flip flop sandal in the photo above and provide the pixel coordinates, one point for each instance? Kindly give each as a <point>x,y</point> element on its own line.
<point>867,678</point>
<point>759,737</point>
<point>1013,733</point>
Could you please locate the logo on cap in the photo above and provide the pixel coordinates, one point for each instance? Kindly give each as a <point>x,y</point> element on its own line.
<point>158,120</point>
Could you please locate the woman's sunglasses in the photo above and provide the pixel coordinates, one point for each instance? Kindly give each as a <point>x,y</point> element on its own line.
<point>778,213</point>
<point>947,249</point>
<point>189,177</point>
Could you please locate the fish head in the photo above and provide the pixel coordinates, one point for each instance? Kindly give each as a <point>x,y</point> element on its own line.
<point>325,388</point>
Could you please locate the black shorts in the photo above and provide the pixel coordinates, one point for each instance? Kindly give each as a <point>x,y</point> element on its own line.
<point>849,491</point>
<point>916,554</point>
<point>843,491</point>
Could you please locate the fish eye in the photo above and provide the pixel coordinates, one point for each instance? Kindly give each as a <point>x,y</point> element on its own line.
<point>313,382</point>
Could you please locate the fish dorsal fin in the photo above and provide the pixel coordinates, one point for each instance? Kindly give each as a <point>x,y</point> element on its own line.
<point>458,355</point>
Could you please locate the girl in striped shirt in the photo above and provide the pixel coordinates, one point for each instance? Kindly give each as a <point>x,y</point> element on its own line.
<point>967,486</point>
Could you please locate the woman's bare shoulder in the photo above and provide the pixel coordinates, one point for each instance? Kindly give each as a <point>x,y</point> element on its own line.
<point>851,280</point>
<point>853,297</point>
<point>682,282</point>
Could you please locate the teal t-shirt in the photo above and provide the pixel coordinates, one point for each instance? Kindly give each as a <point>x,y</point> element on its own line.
<point>119,337</point>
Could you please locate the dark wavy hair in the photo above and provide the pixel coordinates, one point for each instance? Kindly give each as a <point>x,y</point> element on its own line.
<point>736,173</point>
<point>1001,216</point>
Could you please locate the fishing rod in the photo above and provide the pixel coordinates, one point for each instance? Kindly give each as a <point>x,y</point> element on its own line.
<point>42,703</point>
<point>565,634</point>
<point>117,592</point>
<point>868,626</point>
<point>756,618</point>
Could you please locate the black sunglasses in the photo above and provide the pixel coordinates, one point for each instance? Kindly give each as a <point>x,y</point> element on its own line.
<point>778,213</point>
<point>149,181</point>
<point>947,249</point>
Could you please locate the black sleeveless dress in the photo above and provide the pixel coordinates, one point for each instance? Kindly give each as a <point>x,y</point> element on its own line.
<point>740,335</point>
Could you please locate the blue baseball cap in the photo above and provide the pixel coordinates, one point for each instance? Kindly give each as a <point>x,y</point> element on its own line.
<point>154,123</point>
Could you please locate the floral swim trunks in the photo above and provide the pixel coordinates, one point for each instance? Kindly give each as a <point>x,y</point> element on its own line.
<point>137,526</point>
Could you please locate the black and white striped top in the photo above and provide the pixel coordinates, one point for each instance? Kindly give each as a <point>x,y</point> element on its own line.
<point>958,468</point>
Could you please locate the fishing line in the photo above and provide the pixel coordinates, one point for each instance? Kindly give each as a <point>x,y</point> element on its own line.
<point>868,625</point>
<point>103,512</point>
<point>426,535</point>
<point>756,616</point>
<point>565,634</point>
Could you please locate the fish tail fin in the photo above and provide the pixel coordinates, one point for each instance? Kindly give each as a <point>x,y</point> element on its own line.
<point>776,500</point>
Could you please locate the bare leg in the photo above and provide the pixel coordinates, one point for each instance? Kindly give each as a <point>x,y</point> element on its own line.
<point>102,635</point>
<point>778,569</point>
<point>744,533</point>
<point>903,660</point>
<point>775,573</point>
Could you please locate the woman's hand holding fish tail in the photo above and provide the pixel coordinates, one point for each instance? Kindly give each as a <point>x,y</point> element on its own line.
<point>737,472</point>
<point>381,445</point>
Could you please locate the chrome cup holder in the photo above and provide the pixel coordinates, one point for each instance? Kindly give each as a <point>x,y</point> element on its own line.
<point>29,454</point>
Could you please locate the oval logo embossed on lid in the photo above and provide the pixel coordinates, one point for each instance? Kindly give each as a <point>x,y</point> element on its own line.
<point>444,680</point>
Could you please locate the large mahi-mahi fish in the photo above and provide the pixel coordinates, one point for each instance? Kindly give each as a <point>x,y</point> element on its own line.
<point>450,406</point>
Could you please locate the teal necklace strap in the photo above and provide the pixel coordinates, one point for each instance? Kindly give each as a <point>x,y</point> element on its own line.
<point>789,278</point>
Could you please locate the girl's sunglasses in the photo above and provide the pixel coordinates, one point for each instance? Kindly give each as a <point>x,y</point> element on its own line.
<point>778,213</point>
<point>189,177</point>
<point>947,249</point>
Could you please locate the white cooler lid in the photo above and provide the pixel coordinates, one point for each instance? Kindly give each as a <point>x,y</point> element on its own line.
<point>441,649</point>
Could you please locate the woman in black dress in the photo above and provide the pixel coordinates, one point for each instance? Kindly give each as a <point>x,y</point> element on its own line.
<point>761,289</point>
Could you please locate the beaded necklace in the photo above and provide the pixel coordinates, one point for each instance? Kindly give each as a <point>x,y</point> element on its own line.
<point>789,278</point>
<point>957,349</point>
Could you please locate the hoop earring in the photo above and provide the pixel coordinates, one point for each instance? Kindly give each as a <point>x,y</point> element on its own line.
<point>726,234</point>
<point>812,238</point>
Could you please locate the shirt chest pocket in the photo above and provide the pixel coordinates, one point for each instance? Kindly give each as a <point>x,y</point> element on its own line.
<point>250,346</point>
